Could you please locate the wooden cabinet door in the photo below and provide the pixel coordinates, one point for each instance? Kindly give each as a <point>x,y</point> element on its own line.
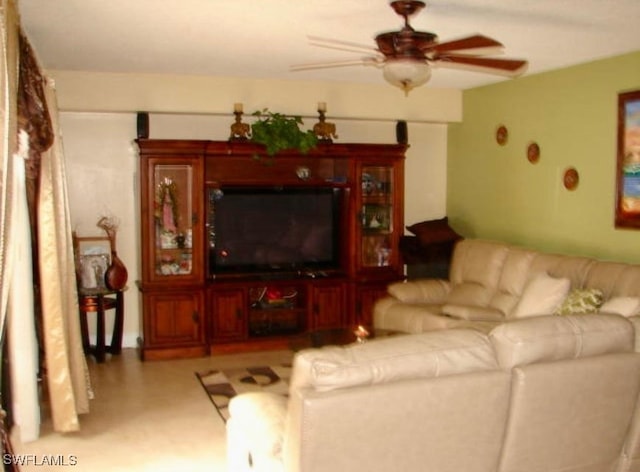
<point>228,314</point>
<point>173,319</point>
<point>328,306</point>
<point>172,200</point>
<point>379,220</point>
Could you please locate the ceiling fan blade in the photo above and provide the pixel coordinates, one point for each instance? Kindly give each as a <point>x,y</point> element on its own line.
<point>341,45</point>
<point>474,42</point>
<point>506,67</point>
<point>363,61</point>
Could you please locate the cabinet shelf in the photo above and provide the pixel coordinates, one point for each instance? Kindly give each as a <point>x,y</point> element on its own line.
<point>377,199</point>
<point>276,322</point>
<point>173,251</point>
<point>173,262</point>
<point>375,232</point>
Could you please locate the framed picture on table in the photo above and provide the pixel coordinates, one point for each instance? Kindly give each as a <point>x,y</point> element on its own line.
<point>92,270</point>
<point>93,256</point>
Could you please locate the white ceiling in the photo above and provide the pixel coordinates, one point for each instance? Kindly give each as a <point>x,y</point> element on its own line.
<point>263,38</point>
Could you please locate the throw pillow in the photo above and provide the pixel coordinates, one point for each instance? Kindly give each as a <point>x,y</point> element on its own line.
<point>581,301</point>
<point>434,231</point>
<point>542,295</point>
<point>625,306</point>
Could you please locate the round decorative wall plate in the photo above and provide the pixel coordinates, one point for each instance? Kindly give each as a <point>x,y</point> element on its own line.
<point>571,178</point>
<point>502,135</point>
<point>533,152</point>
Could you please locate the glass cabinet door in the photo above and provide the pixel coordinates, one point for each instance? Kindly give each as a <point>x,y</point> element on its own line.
<point>173,220</point>
<point>376,225</point>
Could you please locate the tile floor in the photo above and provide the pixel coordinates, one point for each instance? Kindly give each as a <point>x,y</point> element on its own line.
<point>147,416</point>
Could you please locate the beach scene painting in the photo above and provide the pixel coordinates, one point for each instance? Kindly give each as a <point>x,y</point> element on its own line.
<point>628,211</point>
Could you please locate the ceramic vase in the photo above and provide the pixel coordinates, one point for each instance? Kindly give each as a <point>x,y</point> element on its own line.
<point>116,275</point>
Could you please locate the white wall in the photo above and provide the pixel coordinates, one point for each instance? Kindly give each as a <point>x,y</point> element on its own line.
<point>99,127</point>
<point>84,91</point>
<point>101,162</point>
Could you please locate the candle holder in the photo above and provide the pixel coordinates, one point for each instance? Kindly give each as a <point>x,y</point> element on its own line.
<point>361,334</point>
<point>239,131</point>
<point>324,130</point>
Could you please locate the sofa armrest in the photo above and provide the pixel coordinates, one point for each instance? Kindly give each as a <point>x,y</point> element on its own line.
<point>473,313</point>
<point>430,291</point>
<point>635,320</point>
<point>392,314</point>
<point>255,432</point>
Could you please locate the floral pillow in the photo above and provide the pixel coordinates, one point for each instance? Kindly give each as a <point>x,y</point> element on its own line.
<point>581,301</point>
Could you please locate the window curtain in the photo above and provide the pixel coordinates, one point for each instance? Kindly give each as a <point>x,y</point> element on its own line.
<point>15,248</point>
<point>39,298</point>
<point>67,373</point>
<point>8,143</point>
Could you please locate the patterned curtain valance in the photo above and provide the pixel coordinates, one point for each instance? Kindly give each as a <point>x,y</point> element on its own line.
<point>33,112</point>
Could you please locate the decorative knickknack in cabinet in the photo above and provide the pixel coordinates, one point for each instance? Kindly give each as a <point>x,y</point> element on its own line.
<point>241,253</point>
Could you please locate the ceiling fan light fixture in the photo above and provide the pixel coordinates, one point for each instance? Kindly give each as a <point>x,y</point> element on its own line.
<point>406,73</point>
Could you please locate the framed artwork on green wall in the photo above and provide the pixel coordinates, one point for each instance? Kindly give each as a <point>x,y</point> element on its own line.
<point>628,161</point>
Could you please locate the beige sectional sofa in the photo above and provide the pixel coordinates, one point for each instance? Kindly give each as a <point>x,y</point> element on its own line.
<point>492,282</point>
<point>548,393</point>
<point>486,378</point>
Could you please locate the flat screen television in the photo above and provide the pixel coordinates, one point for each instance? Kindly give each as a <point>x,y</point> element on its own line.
<point>273,230</point>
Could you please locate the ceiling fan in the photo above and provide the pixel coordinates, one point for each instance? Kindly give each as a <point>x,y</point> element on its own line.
<point>407,56</point>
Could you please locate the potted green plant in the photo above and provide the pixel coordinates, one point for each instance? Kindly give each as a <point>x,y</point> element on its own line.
<point>278,132</point>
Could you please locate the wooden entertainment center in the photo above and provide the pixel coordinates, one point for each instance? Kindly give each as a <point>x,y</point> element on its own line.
<point>193,304</point>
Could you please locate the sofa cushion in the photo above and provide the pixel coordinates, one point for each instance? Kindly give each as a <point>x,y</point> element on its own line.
<point>551,338</point>
<point>625,306</point>
<point>542,295</point>
<point>470,293</point>
<point>614,279</point>
<point>425,355</point>
<point>581,301</point>
<point>478,262</point>
<point>561,266</point>
<point>513,279</point>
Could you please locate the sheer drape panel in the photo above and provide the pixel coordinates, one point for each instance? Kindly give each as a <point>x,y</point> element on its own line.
<point>16,264</point>
<point>21,331</point>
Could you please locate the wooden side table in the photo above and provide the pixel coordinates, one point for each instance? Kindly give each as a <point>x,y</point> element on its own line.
<point>98,301</point>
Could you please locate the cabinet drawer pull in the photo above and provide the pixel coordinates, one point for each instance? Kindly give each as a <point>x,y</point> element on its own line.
<point>195,316</point>
<point>239,313</point>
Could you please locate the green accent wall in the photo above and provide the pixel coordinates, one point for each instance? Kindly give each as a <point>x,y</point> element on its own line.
<point>494,192</point>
